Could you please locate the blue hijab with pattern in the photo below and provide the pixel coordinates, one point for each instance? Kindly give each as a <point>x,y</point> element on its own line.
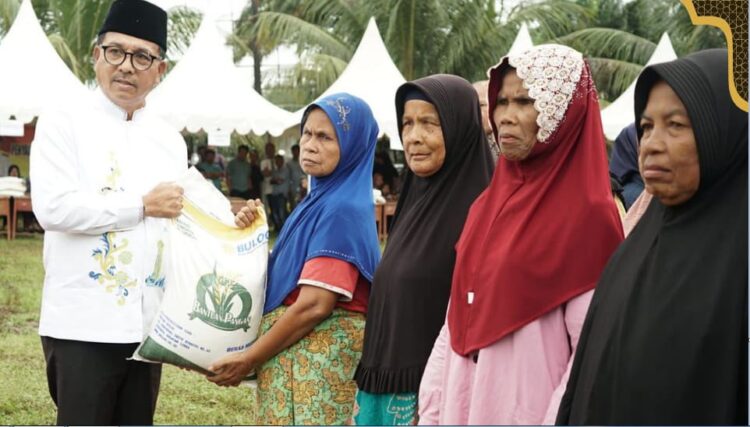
<point>337,218</point>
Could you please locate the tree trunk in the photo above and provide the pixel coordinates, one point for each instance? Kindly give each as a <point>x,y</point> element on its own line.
<point>257,57</point>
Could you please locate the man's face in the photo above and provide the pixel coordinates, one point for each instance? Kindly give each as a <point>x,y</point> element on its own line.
<point>295,153</point>
<point>123,84</point>
<point>242,154</point>
<point>270,150</point>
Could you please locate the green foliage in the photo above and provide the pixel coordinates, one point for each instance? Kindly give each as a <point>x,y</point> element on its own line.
<point>424,37</point>
<point>72,26</point>
<point>8,11</point>
<point>465,37</point>
<point>622,37</point>
<point>182,25</point>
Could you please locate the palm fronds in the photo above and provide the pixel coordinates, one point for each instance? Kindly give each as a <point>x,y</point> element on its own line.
<point>611,43</point>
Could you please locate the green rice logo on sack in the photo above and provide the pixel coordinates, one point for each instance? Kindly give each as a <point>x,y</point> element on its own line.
<point>215,298</point>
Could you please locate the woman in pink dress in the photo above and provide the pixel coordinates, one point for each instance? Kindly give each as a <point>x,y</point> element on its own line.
<point>531,251</point>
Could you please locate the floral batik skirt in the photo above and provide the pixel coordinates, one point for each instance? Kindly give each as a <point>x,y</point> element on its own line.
<point>398,409</point>
<point>311,382</point>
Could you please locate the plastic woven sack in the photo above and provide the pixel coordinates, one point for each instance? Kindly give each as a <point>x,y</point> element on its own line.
<point>215,279</point>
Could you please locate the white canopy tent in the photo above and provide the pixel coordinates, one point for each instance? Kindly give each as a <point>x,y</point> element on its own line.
<point>522,42</point>
<point>620,112</point>
<point>206,91</point>
<point>33,76</point>
<point>372,76</point>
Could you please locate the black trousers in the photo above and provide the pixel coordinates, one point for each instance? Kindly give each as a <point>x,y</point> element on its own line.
<point>93,383</point>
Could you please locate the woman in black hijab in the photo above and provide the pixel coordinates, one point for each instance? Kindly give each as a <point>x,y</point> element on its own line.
<point>665,338</point>
<point>449,165</point>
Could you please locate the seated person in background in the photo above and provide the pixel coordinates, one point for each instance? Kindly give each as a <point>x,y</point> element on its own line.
<point>379,183</point>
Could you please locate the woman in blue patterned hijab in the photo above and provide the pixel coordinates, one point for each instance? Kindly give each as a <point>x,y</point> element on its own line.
<point>319,276</point>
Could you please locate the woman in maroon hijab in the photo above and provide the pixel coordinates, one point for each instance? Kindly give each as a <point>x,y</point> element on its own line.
<point>531,251</point>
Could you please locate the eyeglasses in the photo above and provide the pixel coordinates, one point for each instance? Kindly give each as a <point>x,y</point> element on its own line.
<point>115,55</point>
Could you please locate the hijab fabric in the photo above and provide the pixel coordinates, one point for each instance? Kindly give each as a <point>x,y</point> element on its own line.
<point>665,338</point>
<point>337,218</point>
<point>624,162</point>
<point>412,284</point>
<point>544,229</point>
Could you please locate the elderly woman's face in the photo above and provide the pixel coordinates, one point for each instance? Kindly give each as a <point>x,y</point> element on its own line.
<point>319,145</point>
<point>668,157</point>
<point>422,135</point>
<point>515,118</point>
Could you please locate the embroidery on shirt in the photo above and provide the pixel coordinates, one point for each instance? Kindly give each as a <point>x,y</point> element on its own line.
<point>342,110</point>
<point>110,183</point>
<point>107,256</point>
<point>156,278</point>
<point>112,251</point>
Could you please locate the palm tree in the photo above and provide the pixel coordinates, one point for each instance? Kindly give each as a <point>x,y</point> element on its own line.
<point>182,26</point>
<point>71,26</point>
<point>423,36</point>
<point>464,37</point>
<point>8,11</point>
<point>622,37</point>
<point>616,56</point>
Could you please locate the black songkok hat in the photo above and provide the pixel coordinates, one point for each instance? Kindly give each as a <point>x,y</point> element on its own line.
<point>138,18</point>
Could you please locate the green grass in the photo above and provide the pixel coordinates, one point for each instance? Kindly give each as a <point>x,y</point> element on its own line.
<point>185,397</point>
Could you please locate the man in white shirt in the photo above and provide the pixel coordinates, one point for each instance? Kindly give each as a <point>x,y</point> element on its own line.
<point>103,204</point>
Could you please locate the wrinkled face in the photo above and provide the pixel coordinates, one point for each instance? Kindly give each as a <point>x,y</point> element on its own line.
<point>422,136</point>
<point>319,145</point>
<point>125,86</point>
<point>481,89</point>
<point>668,157</point>
<point>515,118</point>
